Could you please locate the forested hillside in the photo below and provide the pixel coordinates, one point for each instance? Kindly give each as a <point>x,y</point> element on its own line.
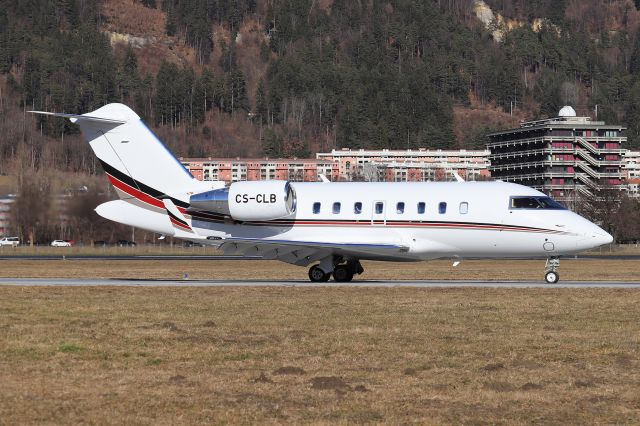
<point>289,78</point>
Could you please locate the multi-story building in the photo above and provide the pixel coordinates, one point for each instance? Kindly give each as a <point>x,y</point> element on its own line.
<point>408,165</point>
<point>5,213</point>
<point>348,165</point>
<point>562,156</point>
<point>231,170</point>
<point>631,170</point>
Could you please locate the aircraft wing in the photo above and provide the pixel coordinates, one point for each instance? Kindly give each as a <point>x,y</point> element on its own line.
<point>303,253</point>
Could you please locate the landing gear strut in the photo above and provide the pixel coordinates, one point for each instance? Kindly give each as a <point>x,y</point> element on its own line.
<point>551,275</point>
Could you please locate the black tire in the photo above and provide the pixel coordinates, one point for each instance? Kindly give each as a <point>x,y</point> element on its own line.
<point>342,274</point>
<point>317,275</point>
<point>552,277</point>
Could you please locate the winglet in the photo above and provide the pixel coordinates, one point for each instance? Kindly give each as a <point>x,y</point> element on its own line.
<point>177,219</point>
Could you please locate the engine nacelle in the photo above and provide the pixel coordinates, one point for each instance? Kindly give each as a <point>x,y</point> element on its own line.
<point>249,201</point>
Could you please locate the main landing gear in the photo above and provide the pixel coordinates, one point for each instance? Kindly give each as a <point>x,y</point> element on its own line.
<point>551,275</point>
<point>317,275</point>
<point>342,270</point>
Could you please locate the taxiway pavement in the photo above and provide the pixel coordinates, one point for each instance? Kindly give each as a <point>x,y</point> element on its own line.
<point>65,282</point>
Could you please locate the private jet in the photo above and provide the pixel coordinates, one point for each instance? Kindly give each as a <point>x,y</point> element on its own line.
<point>327,226</point>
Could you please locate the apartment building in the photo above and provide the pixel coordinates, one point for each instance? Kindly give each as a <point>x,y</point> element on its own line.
<point>565,156</point>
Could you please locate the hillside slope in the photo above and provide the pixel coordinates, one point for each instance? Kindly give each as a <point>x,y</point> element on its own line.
<point>289,78</point>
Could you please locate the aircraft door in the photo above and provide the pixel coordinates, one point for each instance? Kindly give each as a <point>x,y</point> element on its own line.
<point>378,213</point>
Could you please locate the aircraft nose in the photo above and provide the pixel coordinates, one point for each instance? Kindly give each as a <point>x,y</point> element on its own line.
<point>597,237</point>
<point>603,237</point>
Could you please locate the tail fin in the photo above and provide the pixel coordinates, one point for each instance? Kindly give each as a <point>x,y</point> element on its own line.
<point>138,164</point>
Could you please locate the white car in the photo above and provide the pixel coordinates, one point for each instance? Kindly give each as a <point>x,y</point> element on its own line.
<point>9,241</point>
<point>60,243</point>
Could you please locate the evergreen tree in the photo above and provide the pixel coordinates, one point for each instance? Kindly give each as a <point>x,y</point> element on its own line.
<point>632,114</point>
<point>271,144</point>
<point>634,61</point>
<point>261,103</point>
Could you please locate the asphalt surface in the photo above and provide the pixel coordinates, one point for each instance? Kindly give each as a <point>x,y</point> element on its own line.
<point>45,282</point>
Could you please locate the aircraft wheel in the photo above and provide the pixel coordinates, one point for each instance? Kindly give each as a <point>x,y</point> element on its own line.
<point>342,274</point>
<point>317,275</point>
<point>551,277</point>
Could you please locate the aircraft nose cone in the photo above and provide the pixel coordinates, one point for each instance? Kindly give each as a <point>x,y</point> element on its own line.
<point>599,238</point>
<point>593,237</point>
<point>603,238</point>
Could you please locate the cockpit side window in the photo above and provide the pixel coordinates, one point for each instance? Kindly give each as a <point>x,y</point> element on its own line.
<point>546,203</point>
<point>550,203</point>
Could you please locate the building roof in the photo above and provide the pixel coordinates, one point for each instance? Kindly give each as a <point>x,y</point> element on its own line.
<point>403,152</point>
<point>253,160</point>
<point>566,119</point>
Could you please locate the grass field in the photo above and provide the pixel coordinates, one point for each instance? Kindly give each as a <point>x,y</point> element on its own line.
<point>318,355</point>
<point>491,270</point>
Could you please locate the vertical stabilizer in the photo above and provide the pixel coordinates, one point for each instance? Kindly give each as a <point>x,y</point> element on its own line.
<point>139,165</point>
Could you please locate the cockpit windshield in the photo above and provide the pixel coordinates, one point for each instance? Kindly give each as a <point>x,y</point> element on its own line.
<point>535,203</point>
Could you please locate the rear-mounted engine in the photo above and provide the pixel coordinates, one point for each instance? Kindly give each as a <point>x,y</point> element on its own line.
<point>249,201</point>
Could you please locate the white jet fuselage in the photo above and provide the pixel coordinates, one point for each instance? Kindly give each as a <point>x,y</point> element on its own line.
<point>476,222</point>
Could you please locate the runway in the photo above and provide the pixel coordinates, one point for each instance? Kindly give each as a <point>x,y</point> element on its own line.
<point>52,282</point>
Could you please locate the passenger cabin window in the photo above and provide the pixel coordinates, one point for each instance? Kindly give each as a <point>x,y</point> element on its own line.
<point>400,208</point>
<point>316,208</point>
<point>442,208</point>
<point>421,207</point>
<point>357,207</point>
<point>464,207</point>
<point>546,203</point>
<point>379,207</point>
<point>336,208</point>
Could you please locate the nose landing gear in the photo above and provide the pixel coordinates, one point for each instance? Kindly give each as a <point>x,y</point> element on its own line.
<point>551,275</point>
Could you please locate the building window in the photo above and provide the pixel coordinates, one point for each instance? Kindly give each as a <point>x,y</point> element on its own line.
<point>421,207</point>
<point>464,207</point>
<point>336,208</point>
<point>316,208</point>
<point>379,207</point>
<point>400,208</point>
<point>357,207</point>
<point>442,208</point>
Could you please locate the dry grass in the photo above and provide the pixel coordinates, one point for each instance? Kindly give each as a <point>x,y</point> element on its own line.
<point>491,270</point>
<point>322,355</point>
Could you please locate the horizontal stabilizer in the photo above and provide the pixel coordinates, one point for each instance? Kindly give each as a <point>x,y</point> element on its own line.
<point>129,214</point>
<point>76,117</point>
